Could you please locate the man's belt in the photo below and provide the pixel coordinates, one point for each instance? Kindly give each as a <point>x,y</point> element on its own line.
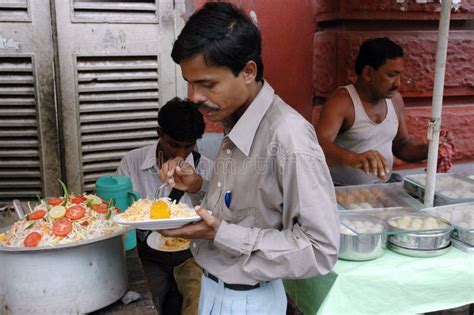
<point>236,287</point>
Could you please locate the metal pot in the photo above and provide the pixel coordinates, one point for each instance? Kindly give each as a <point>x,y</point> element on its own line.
<point>80,277</point>
<point>359,247</point>
<point>420,240</point>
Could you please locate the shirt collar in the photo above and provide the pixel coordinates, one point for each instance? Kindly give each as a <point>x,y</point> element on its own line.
<point>150,157</point>
<point>243,132</point>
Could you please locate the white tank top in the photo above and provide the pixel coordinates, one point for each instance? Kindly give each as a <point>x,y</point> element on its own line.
<point>365,135</point>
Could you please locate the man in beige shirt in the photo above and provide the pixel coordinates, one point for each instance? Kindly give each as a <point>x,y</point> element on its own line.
<point>273,206</point>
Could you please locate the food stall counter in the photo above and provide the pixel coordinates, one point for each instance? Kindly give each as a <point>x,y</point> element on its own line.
<point>392,284</point>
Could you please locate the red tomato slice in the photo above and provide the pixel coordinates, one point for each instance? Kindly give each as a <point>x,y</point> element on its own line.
<point>62,227</point>
<point>102,208</point>
<point>36,215</point>
<point>78,199</point>
<point>55,201</point>
<point>32,239</point>
<point>75,212</point>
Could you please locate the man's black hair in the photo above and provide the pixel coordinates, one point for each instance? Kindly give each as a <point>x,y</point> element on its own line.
<point>225,36</point>
<point>181,120</point>
<point>374,52</point>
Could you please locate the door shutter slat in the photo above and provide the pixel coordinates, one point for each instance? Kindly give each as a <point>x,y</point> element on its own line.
<point>122,136</point>
<point>115,11</point>
<point>14,10</point>
<point>20,169</point>
<point>18,173</point>
<point>14,101</point>
<point>117,113</point>
<point>102,156</point>
<point>118,76</point>
<point>112,107</point>
<point>18,153</point>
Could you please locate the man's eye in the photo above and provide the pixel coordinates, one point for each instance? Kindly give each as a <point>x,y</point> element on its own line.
<point>207,85</point>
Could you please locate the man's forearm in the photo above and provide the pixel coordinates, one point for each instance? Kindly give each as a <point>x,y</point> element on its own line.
<point>412,152</point>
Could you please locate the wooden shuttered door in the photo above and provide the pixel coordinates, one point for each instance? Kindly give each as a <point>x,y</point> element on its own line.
<point>115,72</point>
<point>118,105</point>
<point>29,150</point>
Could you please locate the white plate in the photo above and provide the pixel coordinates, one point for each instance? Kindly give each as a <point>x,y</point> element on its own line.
<point>160,224</point>
<point>157,242</point>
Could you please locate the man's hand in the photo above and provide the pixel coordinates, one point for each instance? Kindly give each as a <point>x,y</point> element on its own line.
<point>205,229</point>
<point>178,173</point>
<point>370,162</point>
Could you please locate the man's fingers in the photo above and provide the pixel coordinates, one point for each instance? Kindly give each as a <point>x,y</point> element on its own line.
<point>208,218</point>
<point>373,160</point>
<point>365,166</point>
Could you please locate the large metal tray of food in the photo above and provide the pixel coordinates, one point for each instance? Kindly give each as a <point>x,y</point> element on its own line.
<point>461,216</point>
<point>449,188</point>
<point>374,196</point>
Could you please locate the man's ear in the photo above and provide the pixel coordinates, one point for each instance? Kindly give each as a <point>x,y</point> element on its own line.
<point>160,132</point>
<point>249,72</point>
<point>367,72</point>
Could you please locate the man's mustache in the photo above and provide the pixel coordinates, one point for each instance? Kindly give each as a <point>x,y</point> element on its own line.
<point>206,107</point>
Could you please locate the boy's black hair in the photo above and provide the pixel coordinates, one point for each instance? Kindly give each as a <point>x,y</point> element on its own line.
<point>225,36</point>
<point>181,120</point>
<point>374,52</point>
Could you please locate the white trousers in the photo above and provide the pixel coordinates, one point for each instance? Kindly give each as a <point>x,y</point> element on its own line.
<point>269,298</point>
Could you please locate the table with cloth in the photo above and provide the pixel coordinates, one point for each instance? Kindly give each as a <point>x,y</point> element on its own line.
<point>391,284</point>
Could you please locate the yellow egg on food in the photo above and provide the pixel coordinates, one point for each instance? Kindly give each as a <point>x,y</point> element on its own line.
<point>160,210</point>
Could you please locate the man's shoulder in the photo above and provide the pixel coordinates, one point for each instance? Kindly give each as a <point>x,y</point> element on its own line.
<point>288,127</point>
<point>281,113</point>
<point>339,98</point>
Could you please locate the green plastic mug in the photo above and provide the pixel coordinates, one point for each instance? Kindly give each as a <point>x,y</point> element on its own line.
<point>118,188</point>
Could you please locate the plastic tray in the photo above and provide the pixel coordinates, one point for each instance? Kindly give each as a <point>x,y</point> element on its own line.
<point>374,196</point>
<point>450,188</point>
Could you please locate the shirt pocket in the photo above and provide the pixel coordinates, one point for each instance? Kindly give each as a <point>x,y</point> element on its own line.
<point>243,217</point>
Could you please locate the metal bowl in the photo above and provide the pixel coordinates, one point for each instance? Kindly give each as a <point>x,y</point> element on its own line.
<point>420,239</point>
<point>361,247</point>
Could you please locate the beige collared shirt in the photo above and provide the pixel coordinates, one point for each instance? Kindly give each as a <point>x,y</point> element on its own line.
<point>281,221</point>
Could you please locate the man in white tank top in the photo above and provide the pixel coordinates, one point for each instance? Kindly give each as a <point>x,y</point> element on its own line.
<point>362,125</point>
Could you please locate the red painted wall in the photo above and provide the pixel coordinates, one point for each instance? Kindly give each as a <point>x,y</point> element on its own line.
<point>309,47</point>
<point>287,28</point>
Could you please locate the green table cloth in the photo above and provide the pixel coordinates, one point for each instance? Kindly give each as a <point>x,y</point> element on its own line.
<point>392,284</point>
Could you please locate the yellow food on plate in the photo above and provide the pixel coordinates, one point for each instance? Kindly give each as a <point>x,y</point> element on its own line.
<point>159,209</point>
<point>174,243</point>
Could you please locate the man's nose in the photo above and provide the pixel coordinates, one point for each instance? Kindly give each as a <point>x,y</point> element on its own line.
<point>197,96</point>
<point>397,82</point>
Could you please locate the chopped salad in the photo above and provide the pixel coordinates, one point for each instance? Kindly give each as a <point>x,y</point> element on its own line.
<point>62,220</point>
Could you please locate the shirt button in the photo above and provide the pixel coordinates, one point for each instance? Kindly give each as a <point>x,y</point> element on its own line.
<point>228,151</point>
<point>194,245</point>
<point>219,184</point>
